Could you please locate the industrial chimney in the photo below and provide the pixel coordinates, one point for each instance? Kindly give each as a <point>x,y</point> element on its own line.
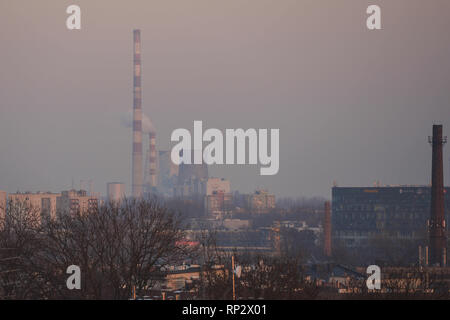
<point>137,177</point>
<point>327,230</point>
<point>437,228</point>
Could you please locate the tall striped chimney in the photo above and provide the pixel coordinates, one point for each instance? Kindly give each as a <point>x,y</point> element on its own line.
<point>137,178</point>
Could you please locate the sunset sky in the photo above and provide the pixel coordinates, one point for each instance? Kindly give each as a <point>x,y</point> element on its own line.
<point>352,105</point>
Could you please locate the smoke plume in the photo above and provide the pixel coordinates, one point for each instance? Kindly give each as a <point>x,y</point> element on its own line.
<point>127,121</point>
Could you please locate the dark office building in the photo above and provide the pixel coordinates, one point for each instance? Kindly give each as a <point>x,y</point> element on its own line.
<point>359,214</point>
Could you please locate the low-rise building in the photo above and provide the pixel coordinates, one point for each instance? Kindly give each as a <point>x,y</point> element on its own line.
<point>260,202</point>
<point>360,214</point>
<point>2,204</point>
<point>218,199</point>
<point>216,185</point>
<point>41,203</point>
<point>74,201</point>
<point>218,203</point>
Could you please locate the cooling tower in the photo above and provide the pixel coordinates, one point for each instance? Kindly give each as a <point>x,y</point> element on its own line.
<point>137,177</point>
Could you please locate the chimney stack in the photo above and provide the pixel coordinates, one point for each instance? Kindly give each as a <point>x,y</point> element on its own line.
<point>437,231</point>
<point>152,161</point>
<point>137,178</point>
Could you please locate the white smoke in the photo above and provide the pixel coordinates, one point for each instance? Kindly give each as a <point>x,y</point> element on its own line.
<point>147,125</point>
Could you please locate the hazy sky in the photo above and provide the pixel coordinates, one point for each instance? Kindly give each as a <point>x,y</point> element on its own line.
<point>352,105</point>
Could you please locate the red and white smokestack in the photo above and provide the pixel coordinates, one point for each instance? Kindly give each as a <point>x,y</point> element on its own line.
<point>152,159</point>
<point>137,177</point>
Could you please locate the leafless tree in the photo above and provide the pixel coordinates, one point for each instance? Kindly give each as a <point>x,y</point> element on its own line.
<point>118,247</point>
<point>19,242</point>
<point>263,276</point>
<point>215,278</point>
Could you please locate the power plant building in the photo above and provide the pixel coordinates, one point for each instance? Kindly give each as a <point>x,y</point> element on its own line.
<point>167,173</point>
<point>191,179</point>
<point>189,172</point>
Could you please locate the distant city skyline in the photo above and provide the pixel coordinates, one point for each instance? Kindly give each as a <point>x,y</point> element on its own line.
<point>353,106</point>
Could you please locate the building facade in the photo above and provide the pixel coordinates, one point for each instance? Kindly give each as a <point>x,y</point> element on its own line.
<point>2,205</point>
<point>218,199</point>
<point>216,185</point>
<point>218,203</point>
<point>74,201</point>
<point>43,204</point>
<point>260,201</point>
<point>401,212</point>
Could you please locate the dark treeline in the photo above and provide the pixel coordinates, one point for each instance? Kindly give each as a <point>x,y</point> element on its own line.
<point>118,248</point>
<point>261,276</point>
<point>123,249</point>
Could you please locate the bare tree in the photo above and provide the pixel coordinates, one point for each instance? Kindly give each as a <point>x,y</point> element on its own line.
<point>119,247</point>
<point>19,242</point>
<point>263,276</point>
<point>215,279</point>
